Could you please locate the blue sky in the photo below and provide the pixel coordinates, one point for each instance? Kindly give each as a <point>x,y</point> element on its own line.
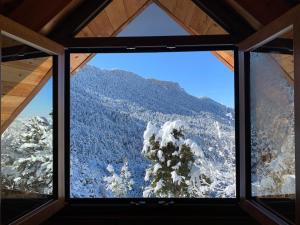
<point>199,73</point>
<point>41,104</point>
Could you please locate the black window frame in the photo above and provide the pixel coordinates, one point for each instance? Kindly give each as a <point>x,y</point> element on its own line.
<point>150,45</point>
<point>283,48</point>
<point>54,75</point>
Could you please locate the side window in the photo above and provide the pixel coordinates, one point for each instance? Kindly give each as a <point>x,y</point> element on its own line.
<point>27,135</point>
<point>272,127</point>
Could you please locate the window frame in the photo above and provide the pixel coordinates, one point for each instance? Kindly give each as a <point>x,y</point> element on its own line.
<point>150,45</point>
<point>22,34</point>
<point>287,22</point>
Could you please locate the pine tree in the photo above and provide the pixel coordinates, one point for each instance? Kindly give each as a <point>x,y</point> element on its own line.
<point>173,161</point>
<point>121,184</point>
<point>30,161</point>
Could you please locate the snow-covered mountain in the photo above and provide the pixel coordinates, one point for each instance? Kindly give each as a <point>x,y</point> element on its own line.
<point>110,110</point>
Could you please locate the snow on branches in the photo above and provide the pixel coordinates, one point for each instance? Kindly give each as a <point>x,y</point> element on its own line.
<point>121,184</point>
<point>27,157</point>
<point>178,168</point>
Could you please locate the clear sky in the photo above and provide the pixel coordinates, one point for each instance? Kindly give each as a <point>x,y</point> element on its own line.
<point>41,104</point>
<point>199,73</point>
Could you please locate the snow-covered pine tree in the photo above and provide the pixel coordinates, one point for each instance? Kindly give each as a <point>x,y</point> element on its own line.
<point>121,184</point>
<point>175,162</point>
<point>28,166</point>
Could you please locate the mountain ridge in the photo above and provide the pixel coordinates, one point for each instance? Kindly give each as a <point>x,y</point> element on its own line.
<point>110,111</point>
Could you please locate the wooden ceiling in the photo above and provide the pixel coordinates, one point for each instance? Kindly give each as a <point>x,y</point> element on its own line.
<point>45,18</point>
<point>20,81</point>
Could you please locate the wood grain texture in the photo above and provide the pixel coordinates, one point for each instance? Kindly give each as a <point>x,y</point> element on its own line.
<point>20,81</point>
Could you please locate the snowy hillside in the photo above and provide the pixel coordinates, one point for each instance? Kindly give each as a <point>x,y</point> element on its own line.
<point>110,112</point>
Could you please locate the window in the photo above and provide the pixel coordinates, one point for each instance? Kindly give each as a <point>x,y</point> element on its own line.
<point>272,126</point>
<point>152,125</point>
<point>125,107</point>
<point>27,134</point>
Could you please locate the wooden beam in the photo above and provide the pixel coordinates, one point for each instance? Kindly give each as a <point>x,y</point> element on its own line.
<point>279,26</point>
<point>265,11</point>
<point>24,35</point>
<point>226,17</point>
<point>254,22</point>
<point>36,14</point>
<point>80,17</point>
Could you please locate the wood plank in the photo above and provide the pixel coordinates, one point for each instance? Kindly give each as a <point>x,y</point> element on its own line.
<point>21,33</point>
<point>99,27</point>
<point>36,64</point>
<point>286,62</point>
<point>22,105</point>
<point>226,57</point>
<point>76,60</point>
<point>16,89</point>
<point>9,104</point>
<point>116,13</point>
<point>19,72</point>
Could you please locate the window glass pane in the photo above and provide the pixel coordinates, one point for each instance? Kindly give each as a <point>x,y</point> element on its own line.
<point>272,124</point>
<point>26,129</point>
<point>153,125</point>
<point>139,18</point>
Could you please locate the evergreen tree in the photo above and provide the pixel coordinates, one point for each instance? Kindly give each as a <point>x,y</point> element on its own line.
<point>28,166</point>
<point>174,160</point>
<point>121,184</point>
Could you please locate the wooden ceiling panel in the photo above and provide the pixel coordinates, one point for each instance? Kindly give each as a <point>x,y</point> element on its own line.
<point>16,89</point>
<point>116,13</point>
<point>286,62</point>
<point>191,17</point>
<point>25,71</point>
<point>21,80</point>
<point>101,26</point>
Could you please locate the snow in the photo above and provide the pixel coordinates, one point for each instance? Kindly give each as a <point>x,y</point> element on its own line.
<point>176,178</point>
<point>123,112</point>
<point>156,167</point>
<point>121,105</point>
<point>27,155</point>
